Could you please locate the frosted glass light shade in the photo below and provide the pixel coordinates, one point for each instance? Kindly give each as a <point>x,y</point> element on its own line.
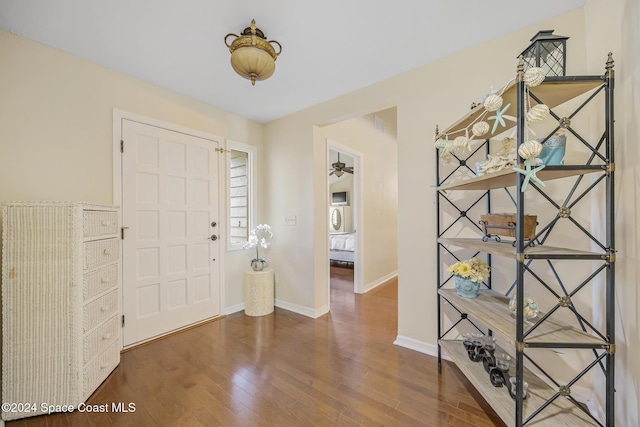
<point>252,56</point>
<point>253,63</point>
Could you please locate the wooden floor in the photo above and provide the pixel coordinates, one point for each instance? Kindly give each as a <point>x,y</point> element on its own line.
<point>286,369</point>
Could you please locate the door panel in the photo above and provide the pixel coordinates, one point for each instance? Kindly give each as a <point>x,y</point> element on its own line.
<point>170,198</point>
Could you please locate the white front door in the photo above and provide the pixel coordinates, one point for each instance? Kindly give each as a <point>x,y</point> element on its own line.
<point>170,213</point>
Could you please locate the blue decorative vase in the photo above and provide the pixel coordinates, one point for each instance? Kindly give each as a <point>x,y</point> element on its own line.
<point>553,150</point>
<point>466,288</point>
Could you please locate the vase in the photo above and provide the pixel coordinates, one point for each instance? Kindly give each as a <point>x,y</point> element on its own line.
<point>258,264</point>
<point>553,150</point>
<point>466,287</point>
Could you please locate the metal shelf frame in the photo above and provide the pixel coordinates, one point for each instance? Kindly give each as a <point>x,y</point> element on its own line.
<point>479,313</point>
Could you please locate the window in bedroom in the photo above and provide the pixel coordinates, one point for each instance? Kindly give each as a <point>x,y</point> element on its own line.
<point>240,173</point>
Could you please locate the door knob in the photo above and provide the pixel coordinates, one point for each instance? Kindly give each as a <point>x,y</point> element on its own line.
<point>214,237</point>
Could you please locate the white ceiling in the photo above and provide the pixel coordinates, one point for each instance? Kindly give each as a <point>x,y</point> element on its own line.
<point>329,47</point>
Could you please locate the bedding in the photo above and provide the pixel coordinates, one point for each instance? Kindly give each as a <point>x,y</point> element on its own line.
<point>342,242</point>
<point>342,247</point>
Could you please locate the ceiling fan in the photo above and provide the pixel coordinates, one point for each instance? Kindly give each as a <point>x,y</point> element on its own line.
<point>338,168</point>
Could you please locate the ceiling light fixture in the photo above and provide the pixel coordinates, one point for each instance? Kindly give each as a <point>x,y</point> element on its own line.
<point>252,56</point>
<point>338,168</point>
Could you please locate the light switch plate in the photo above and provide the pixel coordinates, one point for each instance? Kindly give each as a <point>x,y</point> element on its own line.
<point>289,220</point>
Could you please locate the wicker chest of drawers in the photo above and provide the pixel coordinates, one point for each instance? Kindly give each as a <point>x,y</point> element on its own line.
<point>60,302</point>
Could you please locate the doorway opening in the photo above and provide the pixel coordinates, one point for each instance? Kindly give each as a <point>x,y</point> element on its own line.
<point>343,209</point>
<point>368,144</point>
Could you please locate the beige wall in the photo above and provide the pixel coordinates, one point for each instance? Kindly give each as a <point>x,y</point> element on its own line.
<point>614,26</point>
<point>56,126</point>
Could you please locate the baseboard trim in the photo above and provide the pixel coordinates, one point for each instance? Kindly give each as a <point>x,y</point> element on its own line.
<point>234,308</point>
<point>305,311</point>
<point>420,346</point>
<point>369,286</point>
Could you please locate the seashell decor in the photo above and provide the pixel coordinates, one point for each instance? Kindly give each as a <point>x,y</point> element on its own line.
<point>538,113</point>
<point>495,164</point>
<point>534,76</point>
<point>530,149</point>
<point>480,128</point>
<point>493,102</point>
<point>460,143</point>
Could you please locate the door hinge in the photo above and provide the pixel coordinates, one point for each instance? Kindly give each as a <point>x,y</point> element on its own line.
<point>122,145</point>
<point>220,150</point>
<point>122,232</point>
<point>123,320</point>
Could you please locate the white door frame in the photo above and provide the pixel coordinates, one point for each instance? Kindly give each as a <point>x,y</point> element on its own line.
<point>118,117</point>
<point>356,202</point>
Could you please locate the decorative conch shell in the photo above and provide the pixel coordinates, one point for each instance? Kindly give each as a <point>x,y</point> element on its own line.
<point>493,102</point>
<point>480,128</point>
<point>538,113</point>
<point>530,149</point>
<point>534,76</point>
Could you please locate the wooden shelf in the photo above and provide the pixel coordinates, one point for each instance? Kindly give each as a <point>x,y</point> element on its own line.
<point>492,309</point>
<point>553,92</point>
<point>506,249</point>
<point>561,412</point>
<point>507,178</point>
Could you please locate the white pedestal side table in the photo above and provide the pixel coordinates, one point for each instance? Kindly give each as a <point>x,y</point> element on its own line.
<point>258,292</point>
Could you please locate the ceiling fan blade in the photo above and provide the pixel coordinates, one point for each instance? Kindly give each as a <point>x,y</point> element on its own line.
<point>347,171</point>
<point>332,172</point>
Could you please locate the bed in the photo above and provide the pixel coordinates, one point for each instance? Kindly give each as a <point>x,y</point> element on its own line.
<point>342,247</point>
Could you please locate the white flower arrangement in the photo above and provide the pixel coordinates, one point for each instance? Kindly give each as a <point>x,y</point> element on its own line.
<point>473,269</point>
<point>259,237</point>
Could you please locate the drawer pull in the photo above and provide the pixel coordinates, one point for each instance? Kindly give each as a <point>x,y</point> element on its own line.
<point>107,252</point>
<point>106,223</point>
<point>106,279</point>
<point>104,308</point>
<point>106,336</point>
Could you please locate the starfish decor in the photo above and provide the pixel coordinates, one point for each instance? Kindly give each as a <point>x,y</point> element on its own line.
<point>529,174</point>
<point>499,118</point>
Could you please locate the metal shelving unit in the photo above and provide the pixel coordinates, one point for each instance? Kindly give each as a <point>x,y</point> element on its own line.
<point>548,402</point>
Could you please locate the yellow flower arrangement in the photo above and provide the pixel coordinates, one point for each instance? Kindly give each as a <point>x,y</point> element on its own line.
<point>473,269</point>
